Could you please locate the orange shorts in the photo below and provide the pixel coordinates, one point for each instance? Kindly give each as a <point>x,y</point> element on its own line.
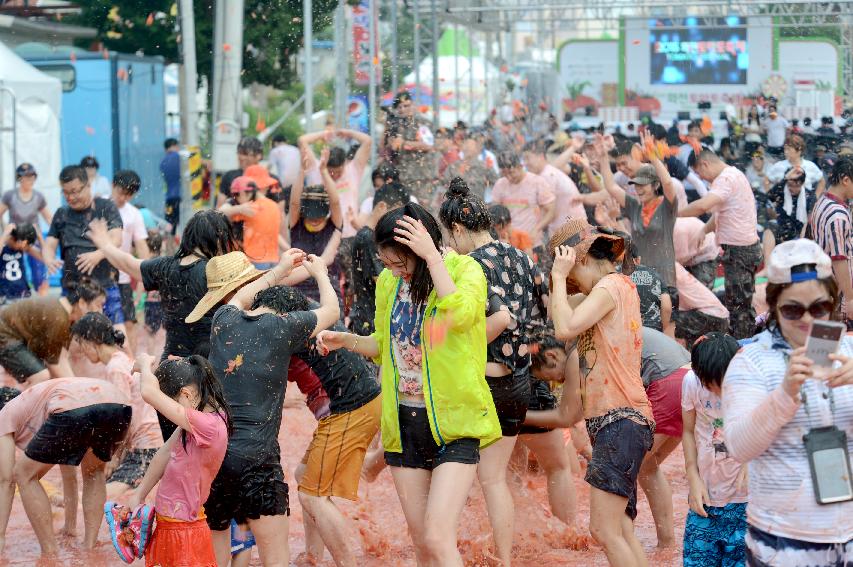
<point>180,544</point>
<point>334,458</point>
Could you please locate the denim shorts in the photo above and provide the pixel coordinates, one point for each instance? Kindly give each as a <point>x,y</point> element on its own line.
<point>419,448</point>
<point>113,307</point>
<point>617,454</point>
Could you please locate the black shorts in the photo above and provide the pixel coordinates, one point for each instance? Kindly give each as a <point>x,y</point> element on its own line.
<point>19,361</point>
<point>172,213</point>
<point>132,467</point>
<point>617,454</point>
<point>66,436</point>
<point>419,448</point>
<point>541,398</point>
<point>153,316</point>
<point>511,395</point>
<point>246,489</point>
<point>128,307</point>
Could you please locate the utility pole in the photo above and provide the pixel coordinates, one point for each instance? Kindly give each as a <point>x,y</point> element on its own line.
<point>342,59</point>
<point>189,114</point>
<point>374,64</point>
<point>307,75</point>
<point>394,55</point>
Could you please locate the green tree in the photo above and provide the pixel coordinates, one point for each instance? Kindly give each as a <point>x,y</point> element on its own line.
<point>272,32</point>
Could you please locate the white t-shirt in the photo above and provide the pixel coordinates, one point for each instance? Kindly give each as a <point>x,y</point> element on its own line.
<point>813,173</point>
<point>718,470</point>
<point>134,229</point>
<point>776,130</point>
<point>285,161</point>
<point>101,187</point>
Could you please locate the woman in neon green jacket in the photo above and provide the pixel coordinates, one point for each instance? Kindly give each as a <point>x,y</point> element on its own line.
<point>437,410</point>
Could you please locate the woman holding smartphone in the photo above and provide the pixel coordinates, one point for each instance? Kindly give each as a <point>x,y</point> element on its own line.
<point>781,418</point>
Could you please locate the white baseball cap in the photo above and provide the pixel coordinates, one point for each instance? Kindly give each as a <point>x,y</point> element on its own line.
<point>797,253</point>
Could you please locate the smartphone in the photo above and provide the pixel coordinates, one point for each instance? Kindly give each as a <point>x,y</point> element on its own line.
<point>829,462</point>
<point>824,338</point>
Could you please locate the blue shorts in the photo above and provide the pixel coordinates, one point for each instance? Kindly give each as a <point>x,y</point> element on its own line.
<point>718,540</point>
<point>38,272</point>
<point>113,307</point>
<point>240,540</point>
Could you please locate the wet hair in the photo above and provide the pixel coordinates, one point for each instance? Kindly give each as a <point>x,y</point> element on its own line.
<point>279,138</point>
<point>128,180</point>
<point>281,299</point>
<point>386,172</point>
<point>508,160</point>
<point>657,131</point>
<point>90,161</point>
<point>169,143</point>
<point>401,96</point>
<point>500,215</point>
<point>155,242</point>
<point>711,356</point>
<point>250,145</point>
<point>801,177</point>
<point>603,248</point>
<point>24,233</point>
<point>393,194</point>
<point>195,371</point>
<point>208,233</point>
<point>842,168</point>
<point>705,153</point>
<point>97,328</point>
<point>773,292</point>
<point>337,157</point>
<point>537,147</point>
<point>85,289</point>
<point>541,342</point>
<point>71,172</point>
<point>421,284</point>
<point>623,148</point>
<point>463,208</point>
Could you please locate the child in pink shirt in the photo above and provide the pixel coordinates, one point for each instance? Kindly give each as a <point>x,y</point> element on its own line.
<point>186,392</point>
<point>102,344</point>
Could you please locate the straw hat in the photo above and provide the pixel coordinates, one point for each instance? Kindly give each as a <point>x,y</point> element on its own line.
<point>224,274</point>
<point>577,233</point>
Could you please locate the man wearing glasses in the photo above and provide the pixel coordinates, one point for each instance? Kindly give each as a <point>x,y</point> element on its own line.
<point>69,231</point>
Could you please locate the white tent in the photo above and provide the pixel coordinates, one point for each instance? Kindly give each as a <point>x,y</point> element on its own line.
<point>35,114</point>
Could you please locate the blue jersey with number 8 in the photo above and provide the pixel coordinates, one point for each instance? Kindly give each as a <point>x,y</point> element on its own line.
<point>13,280</point>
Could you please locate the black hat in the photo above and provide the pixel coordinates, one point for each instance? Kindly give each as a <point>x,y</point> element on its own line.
<point>25,169</point>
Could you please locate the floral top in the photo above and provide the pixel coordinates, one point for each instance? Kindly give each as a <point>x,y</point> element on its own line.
<point>406,321</point>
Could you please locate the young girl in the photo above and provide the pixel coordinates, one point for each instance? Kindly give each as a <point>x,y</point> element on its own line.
<point>716,524</point>
<point>102,344</point>
<point>437,410</point>
<point>186,392</point>
<point>153,335</point>
<point>606,320</point>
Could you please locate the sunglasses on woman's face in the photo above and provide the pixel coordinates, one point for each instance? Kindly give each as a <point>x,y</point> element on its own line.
<point>795,311</point>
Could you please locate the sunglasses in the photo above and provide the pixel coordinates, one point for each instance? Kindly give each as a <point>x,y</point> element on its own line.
<point>795,311</point>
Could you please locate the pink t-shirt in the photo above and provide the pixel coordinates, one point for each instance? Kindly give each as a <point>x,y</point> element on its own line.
<point>24,415</point>
<point>736,216</point>
<point>348,189</point>
<point>568,203</point>
<point>133,230</point>
<point>719,471</point>
<point>524,200</point>
<point>692,294</point>
<point>145,430</point>
<point>680,193</point>
<point>687,254</point>
<point>185,484</point>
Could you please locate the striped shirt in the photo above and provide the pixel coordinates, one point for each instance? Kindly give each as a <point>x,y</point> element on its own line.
<point>765,426</point>
<point>831,226</point>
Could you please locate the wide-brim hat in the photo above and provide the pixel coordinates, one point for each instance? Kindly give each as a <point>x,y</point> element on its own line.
<point>577,233</point>
<point>225,274</point>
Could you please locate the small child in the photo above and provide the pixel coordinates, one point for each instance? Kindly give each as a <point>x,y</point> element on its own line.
<point>187,392</point>
<point>153,336</point>
<point>716,524</point>
<point>502,223</point>
<point>102,344</point>
<point>14,243</point>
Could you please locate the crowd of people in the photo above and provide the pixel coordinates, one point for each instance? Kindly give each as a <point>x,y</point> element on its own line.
<point>594,297</point>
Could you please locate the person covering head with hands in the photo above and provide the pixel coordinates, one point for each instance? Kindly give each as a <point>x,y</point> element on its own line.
<point>605,321</point>
<point>776,401</point>
<point>437,411</point>
<point>250,351</point>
